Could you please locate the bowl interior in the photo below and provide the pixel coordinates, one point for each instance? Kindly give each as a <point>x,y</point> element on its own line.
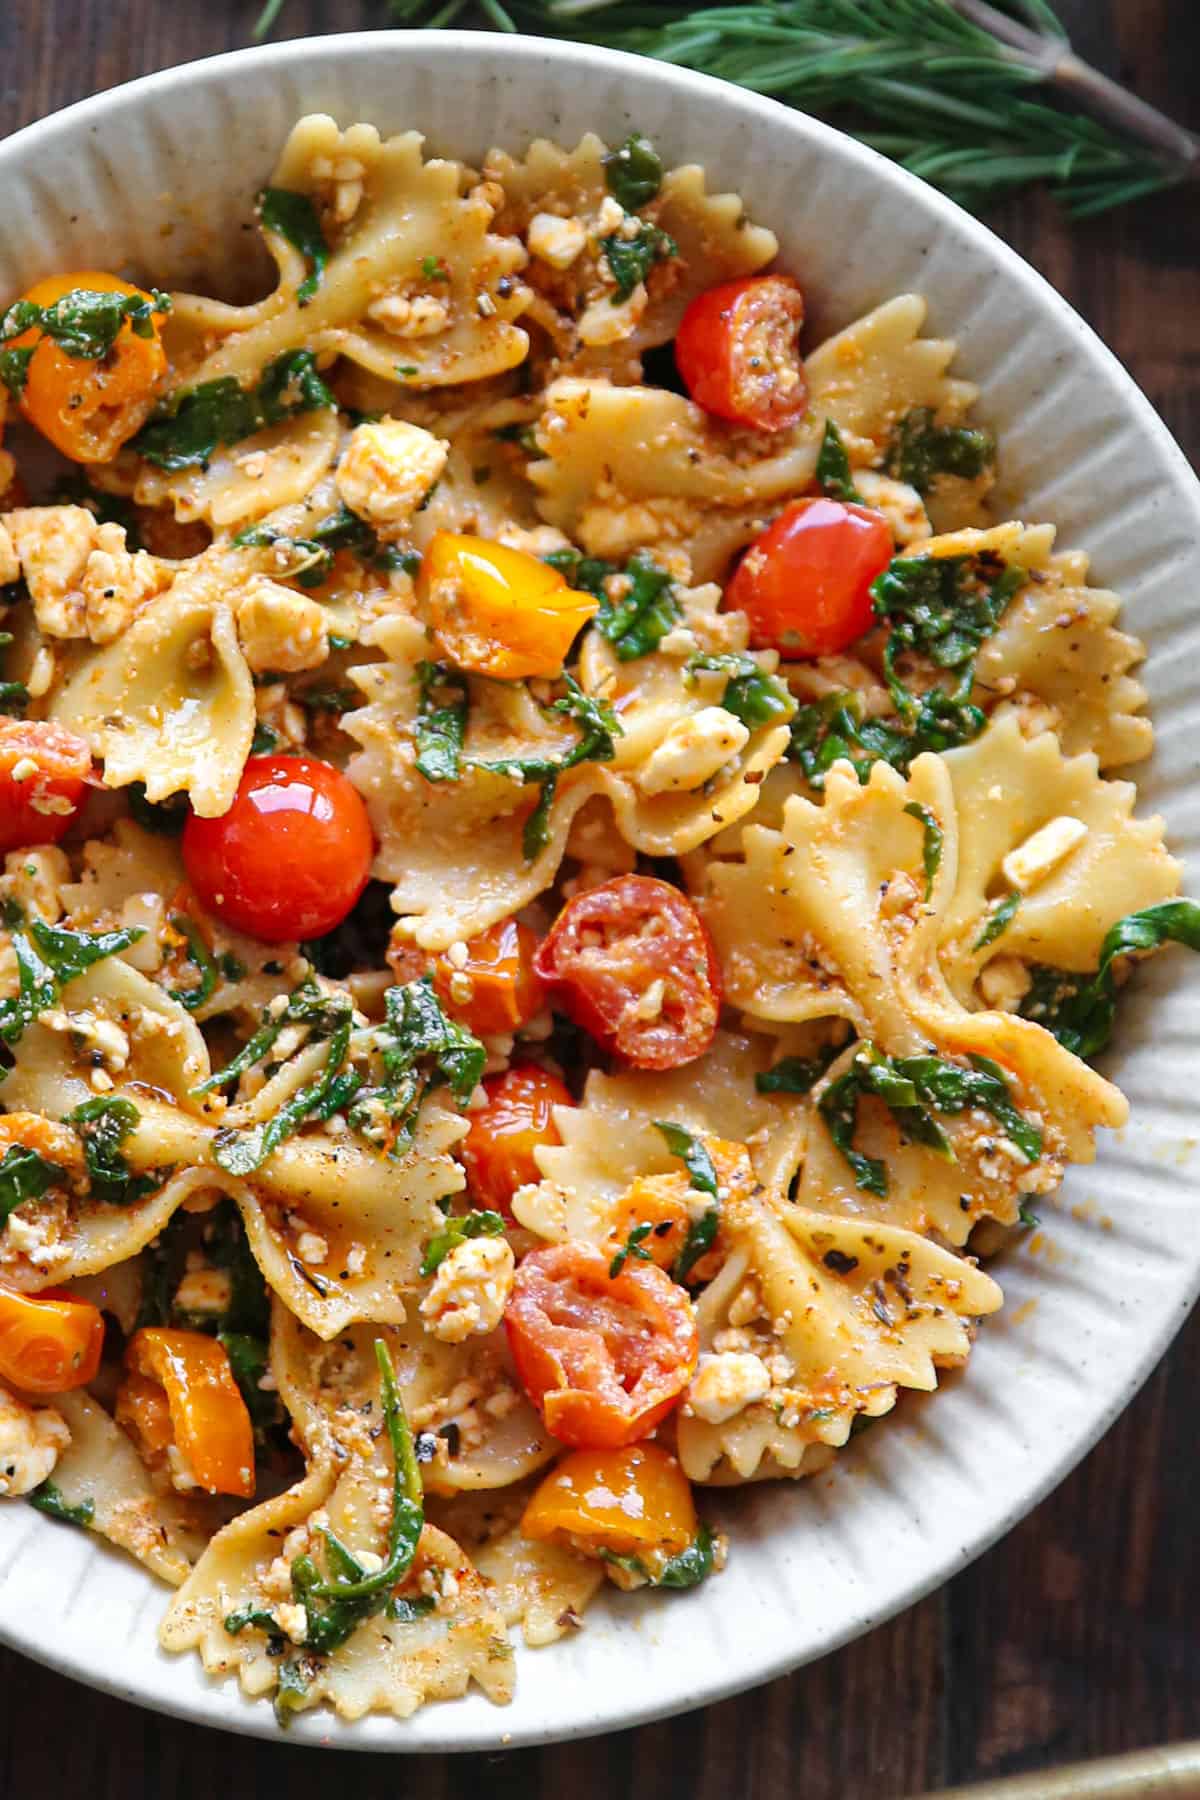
<point>159,177</point>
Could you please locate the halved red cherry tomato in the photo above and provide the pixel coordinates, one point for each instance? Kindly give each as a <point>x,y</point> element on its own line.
<point>497,1151</point>
<point>632,962</point>
<point>88,407</point>
<point>43,768</point>
<point>738,355</point>
<point>49,1342</point>
<point>805,583</point>
<point>603,1358</point>
<point>290,857</point>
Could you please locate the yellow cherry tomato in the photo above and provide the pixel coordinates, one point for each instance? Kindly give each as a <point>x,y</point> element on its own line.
<point>89,407</point>
<point>49,1341</point>
<point>184,1376</point>
<point>499,612</point>
<point>624,1501</point>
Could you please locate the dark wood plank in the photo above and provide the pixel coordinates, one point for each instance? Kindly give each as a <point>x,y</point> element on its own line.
<point>1072,1638</point>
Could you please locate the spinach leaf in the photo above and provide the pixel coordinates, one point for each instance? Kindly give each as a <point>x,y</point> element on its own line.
<point>797,1074</point>
<point>635,1246</point>
<point>598,730</point>
<point>913,1088</point>
<point>307,1004</point>
<point>441,727</point>
<point>833,467</point>
<point>941,608</point>
<point>633,174</point>
<point>48,958</point>
<point>751,695</point>
<point>192,998</point>
<point>933,838</point>
<point>686,1569</point>
<point>241,1152</point>
<point>703,1177</point>
<point>458,1230</point>
<point>104,1123</point>
<point>165,818</point>
<point>1080,1010</point>
<point>48,1498</point>
<point>248,1361</point>
<point>184,433</point>
<point>84,322</point>
<point>293,217</point>
<point>998,920</point>
<point>14,368</point>
<point>636,623</point>
<point>420,1047</point>
<point>26,1175</point>
<point>919,451</point>
<point>631,258</point>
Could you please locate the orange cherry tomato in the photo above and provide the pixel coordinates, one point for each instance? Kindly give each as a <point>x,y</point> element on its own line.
<point>805,584</point>
<point>89,408</point>
<point>497,1151</point>
<point>290,857</point>
<point>496,989</point>
<point>32,1131</point>
<point>659,1201</point>
<point>209,1421</point>
<point>603,1358</point>
<point>611,947</point>
<point>43,769</point>
<point>500,612</point>
<point>738,353</point>
<point>637,1498</point>
<point>49,1342</point>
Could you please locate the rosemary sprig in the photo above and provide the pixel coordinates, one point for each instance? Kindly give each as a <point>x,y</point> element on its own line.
<point>948,99</point>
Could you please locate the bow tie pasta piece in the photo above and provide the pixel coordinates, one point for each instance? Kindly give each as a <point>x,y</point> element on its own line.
<point>1045,827</point>
<point>409,255</point>
<point>610,1139</point>
<point>100,1470</point>
<point>543,1587</point>
<point>463,1398</point>
<point>839,1313</point>
<point>868,375</point>
<point>171,702</point>
<point>241,482</point>
<point>454,849</point>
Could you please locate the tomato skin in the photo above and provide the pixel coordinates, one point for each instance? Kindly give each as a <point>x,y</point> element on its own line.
<point>805,583</point>
<point>497,1151</point>
<point>736,350</point>
<point>499,611</point>
<point>622,1501</point>
<point>37,806</point>
<point>86,408</point>
<point>506,991</point>
<point>603,1358</point>
<point>609,944</point>
<point>290,857</point>
<point>208,1417</point>
<point>49,1342</point>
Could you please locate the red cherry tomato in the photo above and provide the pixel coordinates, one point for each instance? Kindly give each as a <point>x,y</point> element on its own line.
<point>497,1151</point>
<point>603,1358</point>
<point>290,857</point>
<point>737,352</point>
<point>43,768</point>
<point>805,584</point>
<point>631,940</point>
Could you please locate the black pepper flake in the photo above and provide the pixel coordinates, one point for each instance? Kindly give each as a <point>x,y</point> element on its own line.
<point>839,1262</point>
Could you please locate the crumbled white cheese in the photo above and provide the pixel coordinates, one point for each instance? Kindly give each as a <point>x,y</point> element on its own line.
<point>292,1619</point>
<point>901,505</point>
<point>205,1291</point>
<point>1031,862</point>
<point>388,468</point>
<point>92,1035</point>
<point>555,241</point>
<point>31,1439</point>
<point>311,1248</point>
<point>470,1289</point>
<point>280,629</point>
<point>692,751</point>
<point>607,322</point>
<point>726,1384</point>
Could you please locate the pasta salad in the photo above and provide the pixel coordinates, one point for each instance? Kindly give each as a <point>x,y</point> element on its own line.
<point>563,879</point>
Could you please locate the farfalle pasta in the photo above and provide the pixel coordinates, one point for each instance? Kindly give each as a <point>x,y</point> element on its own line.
<point>558,863</point>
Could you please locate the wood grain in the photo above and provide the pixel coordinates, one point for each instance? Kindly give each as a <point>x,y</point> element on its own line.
<point>1075,1637</point>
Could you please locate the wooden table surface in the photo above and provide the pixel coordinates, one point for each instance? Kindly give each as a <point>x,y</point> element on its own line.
<point>1076,1636</point>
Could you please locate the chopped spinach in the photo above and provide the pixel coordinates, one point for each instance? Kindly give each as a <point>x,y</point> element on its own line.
<point>1080,1010</point>
<point>184,433</point>
<point>441,726</point>
<point>833,467</point>
<point>913,1088</point>
<point>248,1362</point>
<point>703,1177</point>
<point>751,695</point>
<point>265,740</point>
<point>48,1498</point>
<point>919,451</point>
<point>636,623</point>
<point>941,608</point>
<point>631,259</point>
<point>458,1230</point>
<point>332,1088</point>
<point>84,323</point>
<point>998,920</point>
<point>48,958</point>
<point>201,959</point>
<point>635,1246</point>
<point>420,1046</point>
<point>293,217</point>
<point>633,174</point>
<point>104,1122</point>
<point>26,1175</point>
<point>797,1074</point>
<point>598,730</point>
<point>14,368</point>
<point>686,1569</point>
<point>933,839</point>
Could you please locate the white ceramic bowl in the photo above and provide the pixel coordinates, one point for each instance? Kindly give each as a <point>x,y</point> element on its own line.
<point>158,176</point>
